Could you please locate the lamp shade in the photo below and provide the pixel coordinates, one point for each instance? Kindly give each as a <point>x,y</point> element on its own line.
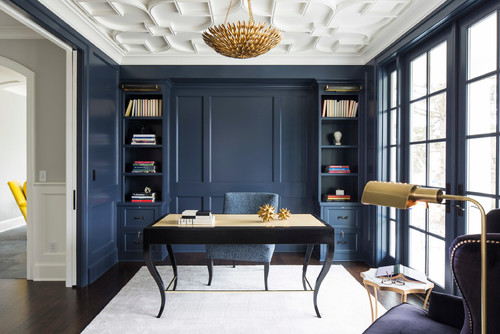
<point>398,195</point>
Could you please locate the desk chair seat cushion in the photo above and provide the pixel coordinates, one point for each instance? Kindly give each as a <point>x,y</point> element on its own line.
<point>408,319</point>
<point>254,253</point>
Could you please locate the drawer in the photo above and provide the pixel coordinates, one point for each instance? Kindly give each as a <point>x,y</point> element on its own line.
<point>138,217</point>
<point>133,242</point>
<point>341,217</point>
<point>346,241</point>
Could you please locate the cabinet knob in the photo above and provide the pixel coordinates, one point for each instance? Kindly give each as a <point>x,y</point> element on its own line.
<point>139,217</point>
<point>342,217</point>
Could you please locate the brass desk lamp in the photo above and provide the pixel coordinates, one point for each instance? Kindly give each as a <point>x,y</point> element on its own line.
<point>404,196</point>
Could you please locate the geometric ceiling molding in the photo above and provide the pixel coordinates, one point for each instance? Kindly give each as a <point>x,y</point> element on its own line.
<point>314,31</point>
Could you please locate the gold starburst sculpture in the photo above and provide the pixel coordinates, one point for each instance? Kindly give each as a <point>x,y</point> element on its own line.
<point>284,214</point>
<point>244,40</point>
<point>266,212</point>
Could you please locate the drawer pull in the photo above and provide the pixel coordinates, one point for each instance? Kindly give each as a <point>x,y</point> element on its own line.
<point>341,242</point>
<point>342,234</point>
<point>138,240</point>
<point>342,217</point>
<point>139,217</point>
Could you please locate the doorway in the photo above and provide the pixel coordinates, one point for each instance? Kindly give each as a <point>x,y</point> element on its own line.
<point>51,139</point>
<point>13,146</point>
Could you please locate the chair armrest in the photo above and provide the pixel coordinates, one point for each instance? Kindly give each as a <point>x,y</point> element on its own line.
<point>446,309</point>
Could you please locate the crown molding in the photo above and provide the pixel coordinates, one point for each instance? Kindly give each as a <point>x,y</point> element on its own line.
<point>73,16</point>
<point>221,60</point>
<point>402,26</point>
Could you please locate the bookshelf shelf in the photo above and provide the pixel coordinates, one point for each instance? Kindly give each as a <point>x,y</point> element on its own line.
<point>142,146</point>
<point>339,174</point>
<point>142,174</point>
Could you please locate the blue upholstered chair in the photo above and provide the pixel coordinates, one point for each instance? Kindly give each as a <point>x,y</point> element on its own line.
<point>451,314</point>
<point>243,203</point>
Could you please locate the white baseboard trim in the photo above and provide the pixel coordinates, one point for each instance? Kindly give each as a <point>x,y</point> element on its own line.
<point>49,272</point>
<point>9,224</point>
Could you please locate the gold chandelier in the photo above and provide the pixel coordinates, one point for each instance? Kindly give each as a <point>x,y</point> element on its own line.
<point>242,40</point>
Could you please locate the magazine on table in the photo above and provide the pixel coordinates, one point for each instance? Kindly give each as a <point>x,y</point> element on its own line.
<point>399,271</point>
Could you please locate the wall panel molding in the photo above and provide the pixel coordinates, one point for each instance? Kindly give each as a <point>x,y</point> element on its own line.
<point>48,231</point>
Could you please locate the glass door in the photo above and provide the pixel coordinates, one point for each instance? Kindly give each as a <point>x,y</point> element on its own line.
<point>481,139</point>
<point>427,146</point>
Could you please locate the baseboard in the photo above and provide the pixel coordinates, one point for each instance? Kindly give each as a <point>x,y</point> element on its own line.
<point>49,272</point>
<point>9,224</point>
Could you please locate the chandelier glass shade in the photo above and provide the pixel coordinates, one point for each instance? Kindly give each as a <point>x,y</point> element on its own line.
<point>242,40</point>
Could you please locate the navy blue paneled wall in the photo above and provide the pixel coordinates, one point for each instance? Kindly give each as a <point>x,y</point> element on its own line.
<point>241,138</point>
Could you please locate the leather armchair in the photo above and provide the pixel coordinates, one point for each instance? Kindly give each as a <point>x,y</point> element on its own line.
<point>243,203</point>
<point>451,314</point>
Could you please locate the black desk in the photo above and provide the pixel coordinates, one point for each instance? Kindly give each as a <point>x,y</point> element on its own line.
<point>240,229</point>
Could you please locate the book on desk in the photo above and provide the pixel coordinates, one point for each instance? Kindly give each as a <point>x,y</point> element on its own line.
<point>399,271</point>
<point>196,217</point>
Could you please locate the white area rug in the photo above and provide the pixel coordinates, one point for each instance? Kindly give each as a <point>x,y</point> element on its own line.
<point>342,301</point>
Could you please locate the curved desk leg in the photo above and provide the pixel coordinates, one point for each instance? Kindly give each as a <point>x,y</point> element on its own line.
<point>370,299</point>
<point>306,263</point>
<point>326,267</point>
<point>154,272</point>
<point>174,264</point>
<point>427,298</point>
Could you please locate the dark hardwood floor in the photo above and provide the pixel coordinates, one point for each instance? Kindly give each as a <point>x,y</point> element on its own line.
<point>49,307</point>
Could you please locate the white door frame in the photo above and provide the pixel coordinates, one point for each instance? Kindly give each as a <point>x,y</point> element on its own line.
<point>71,148</point>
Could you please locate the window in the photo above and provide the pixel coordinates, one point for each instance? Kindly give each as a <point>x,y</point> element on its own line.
<point>427,158</point>
<point>481,141</point>
<point>449,137</point>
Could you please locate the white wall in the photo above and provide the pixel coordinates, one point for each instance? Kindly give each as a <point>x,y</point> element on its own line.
<point>12,149</point>
<point>47,243</point>
<point>48,62</point>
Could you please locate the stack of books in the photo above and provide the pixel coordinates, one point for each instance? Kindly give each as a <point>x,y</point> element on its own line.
<point>197,217</point>
<point>336,198</point>
<point>143,197</point>
<point>143,139</point>
<point>143,167</point>
<point>337,169</point>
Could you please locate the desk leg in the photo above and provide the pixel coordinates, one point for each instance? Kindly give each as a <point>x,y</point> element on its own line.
<point>306,263</point>
<point>174,264</point>
<point>154,272</point>
<point>326,267</point>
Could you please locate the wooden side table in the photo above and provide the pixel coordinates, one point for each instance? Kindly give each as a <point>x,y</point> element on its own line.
<point>370,279</point>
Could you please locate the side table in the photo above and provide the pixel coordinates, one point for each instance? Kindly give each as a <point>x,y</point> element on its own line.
<point>370,279</point>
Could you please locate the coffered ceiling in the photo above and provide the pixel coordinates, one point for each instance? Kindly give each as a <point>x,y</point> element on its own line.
<point>169,31</point>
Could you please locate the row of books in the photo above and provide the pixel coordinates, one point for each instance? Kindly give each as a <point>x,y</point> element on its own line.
<point>143,108</point>
<point>336,198</point>
<point>143,139</point>
<point>339,108</point>
<point>337,169</point>
<point>143,167</point>
<point>196,217</point>
<point>143,197</point>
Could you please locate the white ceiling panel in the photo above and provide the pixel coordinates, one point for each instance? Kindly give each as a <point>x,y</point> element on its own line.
<point>315,32</point>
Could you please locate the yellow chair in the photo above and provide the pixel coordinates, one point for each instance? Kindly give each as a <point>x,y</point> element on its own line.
<point>19,195</point>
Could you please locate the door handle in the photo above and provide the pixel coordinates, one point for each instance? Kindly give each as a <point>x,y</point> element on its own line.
<point>139,217</point>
